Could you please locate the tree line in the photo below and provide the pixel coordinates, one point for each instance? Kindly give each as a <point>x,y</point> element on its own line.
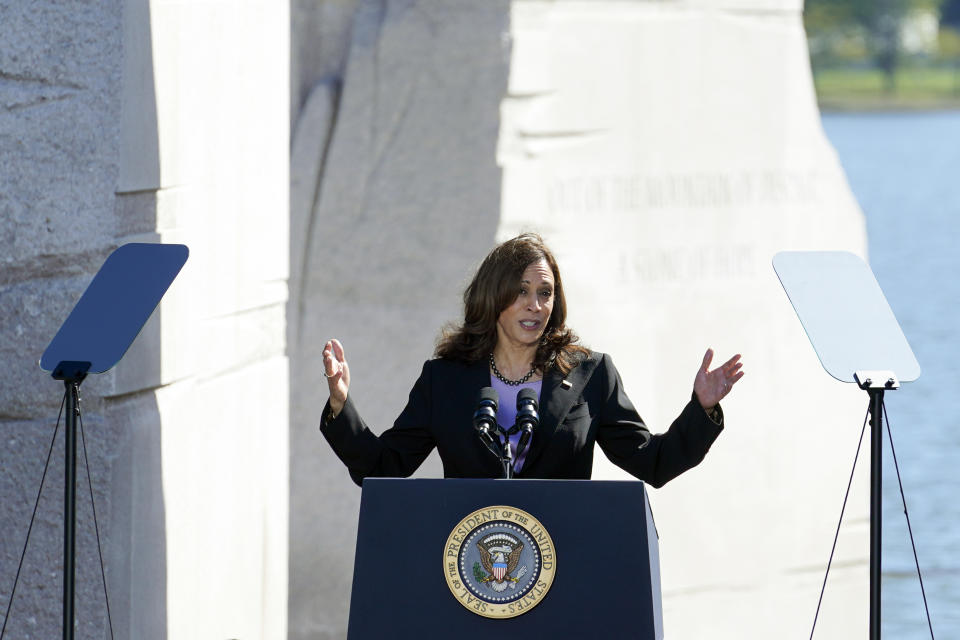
<point>872,32</point>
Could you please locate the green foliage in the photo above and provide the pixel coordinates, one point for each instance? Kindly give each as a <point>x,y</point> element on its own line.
<point>860,42</point>
<point>854,30</point>
<point>917,88</point>
<point>948,43</point>
<point>479,573</point>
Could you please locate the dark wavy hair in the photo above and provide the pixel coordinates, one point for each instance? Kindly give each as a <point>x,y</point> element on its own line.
<point>495,287</point>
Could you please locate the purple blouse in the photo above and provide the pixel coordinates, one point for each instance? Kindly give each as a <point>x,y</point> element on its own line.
<point>507,413</point>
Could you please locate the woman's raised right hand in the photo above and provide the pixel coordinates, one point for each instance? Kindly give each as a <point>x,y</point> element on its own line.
<point>337,371</point>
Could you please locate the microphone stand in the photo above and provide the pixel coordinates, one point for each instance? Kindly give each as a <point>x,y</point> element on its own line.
<point>489,432</point>
<point>528,417</point>
<point>506,459</point>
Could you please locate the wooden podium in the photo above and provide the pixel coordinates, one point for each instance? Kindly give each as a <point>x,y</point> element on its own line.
<point>593,543</point>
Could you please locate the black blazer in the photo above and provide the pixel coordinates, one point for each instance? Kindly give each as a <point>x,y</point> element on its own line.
<point>593,408</point>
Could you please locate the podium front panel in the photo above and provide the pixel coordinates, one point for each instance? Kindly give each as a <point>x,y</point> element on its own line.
<point>603,584</point>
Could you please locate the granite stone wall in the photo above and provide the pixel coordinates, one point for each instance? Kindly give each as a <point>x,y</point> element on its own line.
<point>60,84</point>
<point>403,206</point>
<point>666,150</point>
<point>149,121</point>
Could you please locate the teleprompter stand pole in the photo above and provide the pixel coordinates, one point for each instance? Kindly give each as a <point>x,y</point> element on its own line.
<point>876,507</point>
<point>875,383</point>
<point>69,509</point>
<point>72,373</point>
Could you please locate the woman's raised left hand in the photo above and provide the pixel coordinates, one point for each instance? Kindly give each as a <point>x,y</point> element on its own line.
<point>712,386</point>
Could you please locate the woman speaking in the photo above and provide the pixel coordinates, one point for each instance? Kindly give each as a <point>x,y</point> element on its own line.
<point>514,337</point>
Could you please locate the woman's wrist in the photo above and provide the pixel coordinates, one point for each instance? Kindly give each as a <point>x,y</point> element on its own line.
<point>714,413</point>
<point>330,412</point>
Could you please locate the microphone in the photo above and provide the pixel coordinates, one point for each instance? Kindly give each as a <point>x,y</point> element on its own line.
<point>485,419</point>
<point>528,417</point>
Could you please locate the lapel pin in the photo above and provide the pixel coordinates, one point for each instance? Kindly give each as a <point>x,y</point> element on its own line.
<point>566,384</point>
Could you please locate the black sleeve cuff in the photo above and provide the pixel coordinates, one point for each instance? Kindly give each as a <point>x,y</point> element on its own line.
<point>715,413</point>
<point>326,416</point>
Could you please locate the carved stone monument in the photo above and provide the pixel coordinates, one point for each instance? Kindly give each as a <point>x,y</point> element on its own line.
<point>149,121</point>
<point>668,154</point>
<point>666,151</point>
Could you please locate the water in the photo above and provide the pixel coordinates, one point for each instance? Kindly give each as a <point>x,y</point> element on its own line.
<point>905,171</point>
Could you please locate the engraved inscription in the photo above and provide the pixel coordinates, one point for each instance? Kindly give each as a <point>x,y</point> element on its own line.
<point>683,264</point>
<point>635,193</point>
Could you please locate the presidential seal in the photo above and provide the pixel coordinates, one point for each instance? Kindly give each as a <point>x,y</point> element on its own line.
<point>499,562</point>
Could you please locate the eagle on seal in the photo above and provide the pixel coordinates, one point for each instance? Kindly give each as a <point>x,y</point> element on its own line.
<point>500,564</point>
